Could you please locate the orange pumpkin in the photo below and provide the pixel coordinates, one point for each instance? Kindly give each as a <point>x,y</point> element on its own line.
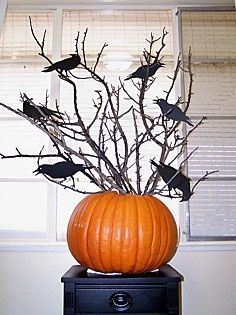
<point>111,232</point>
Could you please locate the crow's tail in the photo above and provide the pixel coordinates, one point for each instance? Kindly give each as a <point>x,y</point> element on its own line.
<point>188,121</point>
<point>49,69</point>
<point>128,78</point>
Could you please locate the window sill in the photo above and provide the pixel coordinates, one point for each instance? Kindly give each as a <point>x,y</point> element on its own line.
<point>62,246</point>
<point>207,246</point>
<point>34,246</point>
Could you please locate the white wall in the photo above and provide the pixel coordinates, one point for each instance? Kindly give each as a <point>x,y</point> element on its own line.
<point>30,282</point>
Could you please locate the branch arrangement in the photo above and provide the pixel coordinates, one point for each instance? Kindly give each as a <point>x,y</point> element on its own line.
<point>111,159</point>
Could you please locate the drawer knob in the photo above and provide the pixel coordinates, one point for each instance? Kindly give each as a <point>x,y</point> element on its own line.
<point>120,301</point>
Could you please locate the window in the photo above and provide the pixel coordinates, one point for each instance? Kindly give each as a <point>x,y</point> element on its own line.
<point>24,198</point>
<point>35,209</point>
<point>212,37</point>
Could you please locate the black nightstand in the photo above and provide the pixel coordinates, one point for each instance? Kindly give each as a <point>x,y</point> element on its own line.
<point>157,292</point>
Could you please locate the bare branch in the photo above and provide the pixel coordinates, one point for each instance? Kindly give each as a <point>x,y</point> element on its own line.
<point>137,154</point>
<point>102,142</point>
<point>176,72</point>
<point>83,47</point>
<point>203,178</point>
<point>99,56</point>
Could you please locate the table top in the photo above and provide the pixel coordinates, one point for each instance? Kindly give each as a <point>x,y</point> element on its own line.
<point>80,274</point>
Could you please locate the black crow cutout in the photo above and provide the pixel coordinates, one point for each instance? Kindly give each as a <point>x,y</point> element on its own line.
<point>62,169</point>
<point>39,112</point>
<point>146,70</point>
<point>172,112</point>
<point>65,64</point>
<point>174,179</point>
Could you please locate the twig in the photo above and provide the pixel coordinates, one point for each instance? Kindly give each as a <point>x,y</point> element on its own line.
<point>176,72</point>
<point>137,154</point>
<point>203,178</point>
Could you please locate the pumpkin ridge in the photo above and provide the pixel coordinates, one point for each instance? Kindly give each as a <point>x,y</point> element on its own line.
<point>167,241</point>
<point>99,237</point>
<point>146,218</point>
<point>103,264</point>
<point>171,223</point>
<point>169,254</point>
<point>151,252</point>
<point>93,213</point>
<point>171,239</point>
<point>159,236</point>
<point>123,217</point>
<point>72,225</point>
<point>163,246</point>
<point>112,234</point>
<point>77,240</point>
<point>137,234</point>
<point>168,217</point>
<point>129,228</point>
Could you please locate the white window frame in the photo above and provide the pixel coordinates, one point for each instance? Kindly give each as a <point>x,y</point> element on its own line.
<point>185,237</point>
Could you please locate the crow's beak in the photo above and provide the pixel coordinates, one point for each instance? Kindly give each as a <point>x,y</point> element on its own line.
<point>36,171</point>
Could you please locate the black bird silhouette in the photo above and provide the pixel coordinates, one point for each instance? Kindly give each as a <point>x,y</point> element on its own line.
<point>65,64</point>
<point>62,169</point>
<point>174,179</point>
<point>146,70</point>
<point>39,112</point>
<point>172,111</point>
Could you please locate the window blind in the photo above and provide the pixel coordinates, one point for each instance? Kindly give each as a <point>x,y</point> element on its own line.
<point>24,197</point>
<point>16,38</point>
<point>20,64</point>
<point>212,37</point>
<point>122,30</point>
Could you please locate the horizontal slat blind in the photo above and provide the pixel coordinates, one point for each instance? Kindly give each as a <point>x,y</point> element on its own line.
<point>214,88</point>
<point>24,197</point>
<point>20,64</point>
<point>122,30</point>
<point>22,77</point>
<point>212,210</point>
<point>212,37</point>
<point>216,140</point>
<point>16,38</point>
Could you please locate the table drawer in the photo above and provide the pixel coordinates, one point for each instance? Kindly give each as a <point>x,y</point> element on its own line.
<point>121,299</point>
